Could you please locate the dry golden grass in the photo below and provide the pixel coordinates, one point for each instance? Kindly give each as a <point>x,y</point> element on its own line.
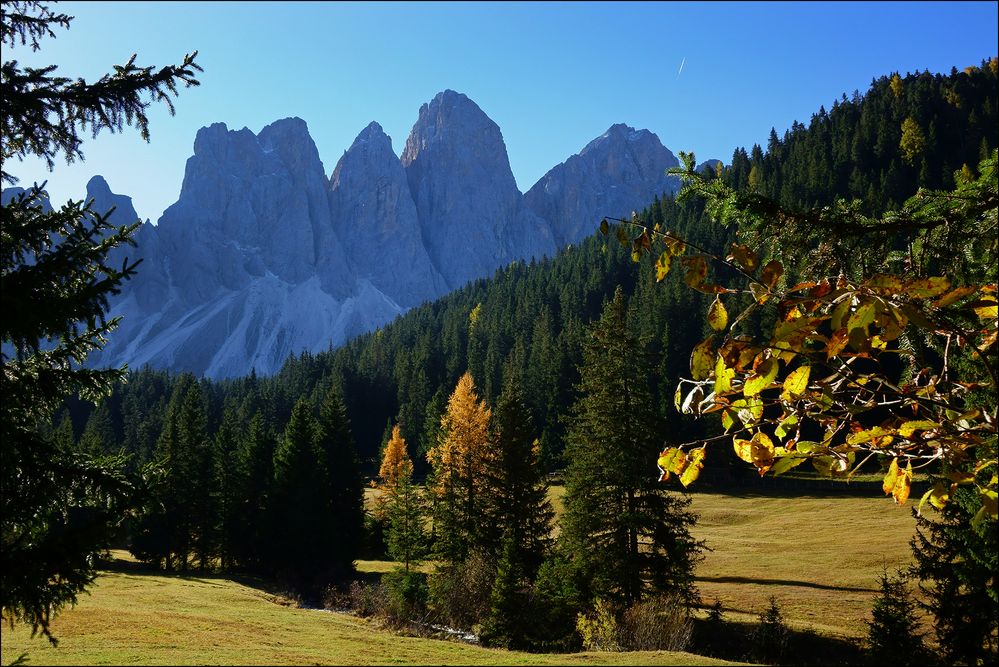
<point>150,619</point>
<point>819,556</point>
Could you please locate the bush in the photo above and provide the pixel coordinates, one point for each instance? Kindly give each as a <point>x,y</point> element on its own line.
<point>770,637</point>
<point>460,595</point>
<point>362,599</point>
<point>599,628</point>
<point>660,623</point>
<point>407,594</point>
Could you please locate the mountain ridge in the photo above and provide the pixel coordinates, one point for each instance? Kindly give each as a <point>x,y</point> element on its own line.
<point>263,255</point>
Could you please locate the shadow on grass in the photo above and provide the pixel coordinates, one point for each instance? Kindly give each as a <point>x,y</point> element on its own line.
<point>784,582</point>
<point>732,640</point>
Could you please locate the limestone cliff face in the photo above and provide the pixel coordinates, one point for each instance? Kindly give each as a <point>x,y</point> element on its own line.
<point>471,213</point>
<point>375,218</point>
<point>618,172</point>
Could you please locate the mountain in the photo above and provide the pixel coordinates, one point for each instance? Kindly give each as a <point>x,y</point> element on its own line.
<point>473,215</point>
<point>263,256</point>
<point>374,215</point>
<point>620,171</point>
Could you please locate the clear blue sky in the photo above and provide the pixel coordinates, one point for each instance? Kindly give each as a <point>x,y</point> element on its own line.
<point>552,75</point>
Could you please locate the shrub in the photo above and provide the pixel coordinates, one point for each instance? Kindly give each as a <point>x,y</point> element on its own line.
<point>770,637</point>
<point>460,594</point>
<point>599,628</point>
<point>368,599</point>
<point>407,594</point>
<point>660,623</point>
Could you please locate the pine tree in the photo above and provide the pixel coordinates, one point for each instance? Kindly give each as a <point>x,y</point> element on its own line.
<point>627,532</point>
<point>346,488</point>
<point>515,490</point>
<point>253,544</point>
<point>459,462</point>
<point>226,492</point>
<point>893,635</point>
<point>301,509</point>
<point>506,624</point>
<point>956,564</point>
<point>58,508</point>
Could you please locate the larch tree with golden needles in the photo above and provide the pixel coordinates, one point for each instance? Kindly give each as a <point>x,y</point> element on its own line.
<point>459,461</point>
<point>401,503</point>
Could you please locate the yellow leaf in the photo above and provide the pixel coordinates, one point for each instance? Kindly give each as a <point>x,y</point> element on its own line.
<point>702,359</point>
<point>862,317</point>
<point>759,451</point>
<point>761,379</point>
<point>723,377</point>
<point>839,312</point>
<point>885,284</point>
<point>786,463</point>
<point>908,428</point>
<point>796,383</point>
<point>889,482</point>
<point>867,435</point>
<point>837,342</point>
<point>954,295</point>
<point>903,484</point>
<point>604,227</point>
<point>717,315</point>
<point>928,287</point>
<point>760,292</point>
<point>663,265</point>
<point>989,309</point>
<point>990,503</point>
<point>695,463</point>
<point>622,236</point>
<point>697,270</point>
<point>666,458</point>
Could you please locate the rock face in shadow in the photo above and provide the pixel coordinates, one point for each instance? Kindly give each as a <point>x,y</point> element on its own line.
<point>375,217</point>
<point>262,256</point>
<point>620,171</point>
<point>470,210</point>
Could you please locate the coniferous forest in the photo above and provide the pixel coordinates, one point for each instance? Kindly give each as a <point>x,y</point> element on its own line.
<point>437,438</point>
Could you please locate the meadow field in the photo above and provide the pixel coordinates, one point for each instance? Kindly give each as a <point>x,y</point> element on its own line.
<point>820,556</point>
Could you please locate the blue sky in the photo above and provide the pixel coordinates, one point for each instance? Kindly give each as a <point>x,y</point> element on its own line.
<point>552,75</point>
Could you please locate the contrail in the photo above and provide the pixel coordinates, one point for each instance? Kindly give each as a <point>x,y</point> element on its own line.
<point>681,67</point>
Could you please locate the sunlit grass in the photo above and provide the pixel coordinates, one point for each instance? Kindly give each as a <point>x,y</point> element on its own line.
<point>152,619</point>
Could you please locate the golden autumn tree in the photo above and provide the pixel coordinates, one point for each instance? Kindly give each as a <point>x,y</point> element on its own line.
<point>396,467</point>
<point>401,503</point>
<point>459,460</point>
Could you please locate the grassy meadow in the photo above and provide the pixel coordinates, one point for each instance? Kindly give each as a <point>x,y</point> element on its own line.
<point>820,556</point>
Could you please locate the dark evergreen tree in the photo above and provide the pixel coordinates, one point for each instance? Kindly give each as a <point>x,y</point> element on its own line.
<point>226,490</point>
<point>893,635</point>
<point>508,623</point>
<point>406,516</point>
<point>253,547</point>
<point>628,533</point>
<point>58,508</point>
<point>301,509</point>
<point>516,490</point>
<point>956,564</point>
<point>346,487</point>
